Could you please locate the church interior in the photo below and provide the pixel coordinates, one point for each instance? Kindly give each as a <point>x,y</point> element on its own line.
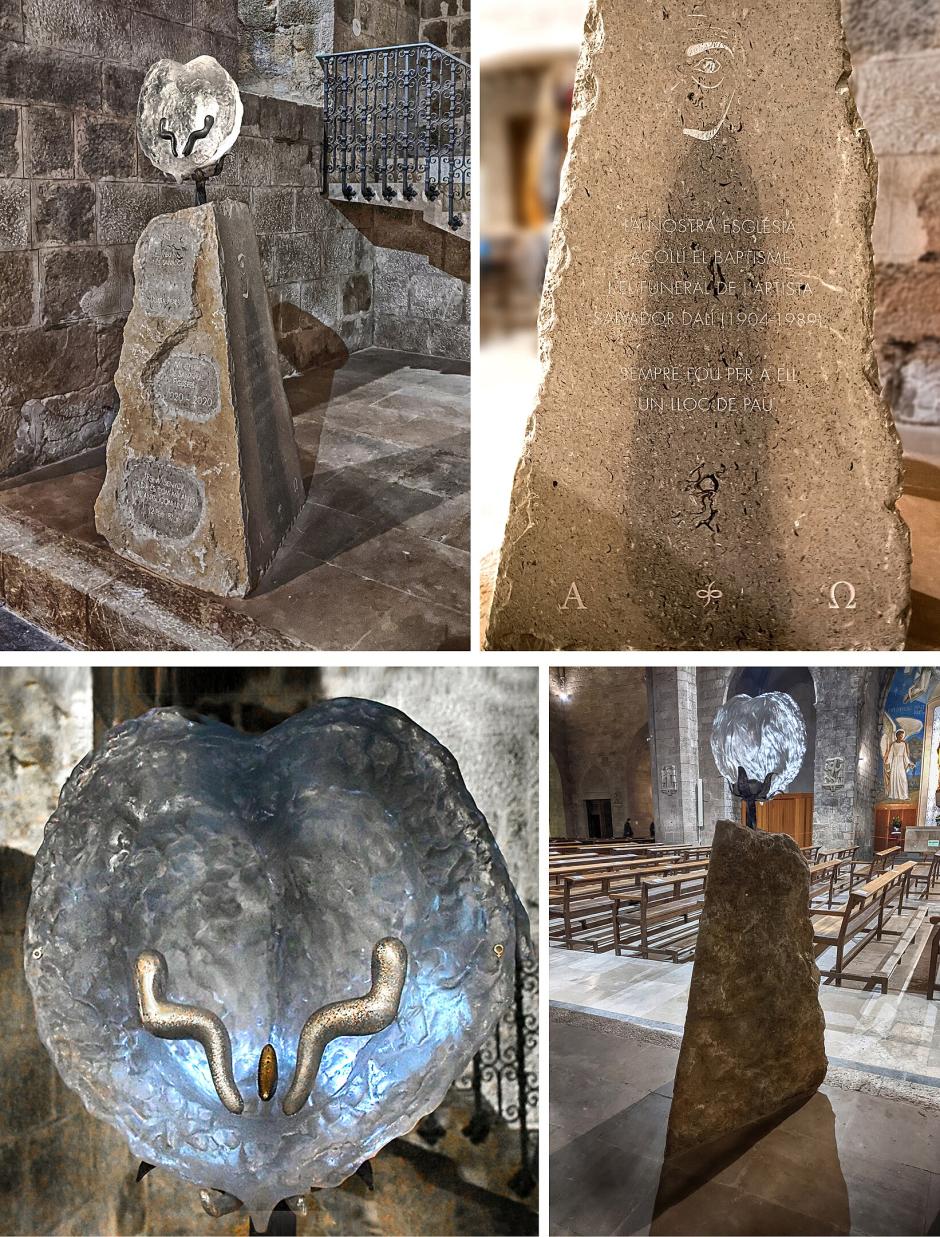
<point>744,1021</point>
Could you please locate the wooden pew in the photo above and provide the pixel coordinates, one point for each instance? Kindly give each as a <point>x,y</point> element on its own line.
<point>580,908</point>
<point>864,870</point>
<point>823,877</point>
<point>927,873</point>
<point>861,921</point>
<point>661,917</point>
<point>934,962</point>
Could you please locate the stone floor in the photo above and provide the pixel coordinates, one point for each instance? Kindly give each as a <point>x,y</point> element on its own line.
<point>846,1162</point>
<point>896,1036</point>
<point>380,556</point>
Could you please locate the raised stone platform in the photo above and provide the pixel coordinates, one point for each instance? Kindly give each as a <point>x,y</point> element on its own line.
<point>378,559</point>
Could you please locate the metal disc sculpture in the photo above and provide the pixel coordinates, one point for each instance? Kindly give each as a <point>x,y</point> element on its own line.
<point>208,906</point>
<point>758,744</point>
<point>188,119</point>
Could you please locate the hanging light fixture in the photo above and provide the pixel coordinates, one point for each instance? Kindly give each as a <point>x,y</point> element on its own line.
<point>758,744</point>
<point>263,958</point>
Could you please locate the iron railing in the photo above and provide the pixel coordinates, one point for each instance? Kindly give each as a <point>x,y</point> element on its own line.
<point>396,123</point>
<point>504,1081</point>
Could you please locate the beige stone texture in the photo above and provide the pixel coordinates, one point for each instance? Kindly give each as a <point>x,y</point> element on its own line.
<point>753,1045</point>
<point>203,479</point>
<point>898,98</point>
<point>704,481</point>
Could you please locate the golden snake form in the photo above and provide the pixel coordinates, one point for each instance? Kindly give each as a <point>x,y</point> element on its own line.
<point>364,1015</point>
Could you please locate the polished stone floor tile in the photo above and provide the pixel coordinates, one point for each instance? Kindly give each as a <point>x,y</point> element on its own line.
<point>845,1162</point>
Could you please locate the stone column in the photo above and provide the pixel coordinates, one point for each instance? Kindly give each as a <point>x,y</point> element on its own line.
<point>675,761</point>
<point>717,800</point>
<point>839,813</point>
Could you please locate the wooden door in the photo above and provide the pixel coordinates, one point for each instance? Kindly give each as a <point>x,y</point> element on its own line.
<point>790,814</point>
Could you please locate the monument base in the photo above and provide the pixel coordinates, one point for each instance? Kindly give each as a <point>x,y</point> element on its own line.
<point>753,1044</point>
<point>203,479</point>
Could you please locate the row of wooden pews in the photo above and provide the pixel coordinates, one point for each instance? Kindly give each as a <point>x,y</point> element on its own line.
<point>646,900</point>
<point>873,894</point>
<point>624,897</point>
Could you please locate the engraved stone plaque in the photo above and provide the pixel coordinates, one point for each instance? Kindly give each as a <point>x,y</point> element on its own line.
<point>710,461</point>
<point>165,499</point>
<point>834,772</point>
<point>187,386</point>
<point>165,267</point>
<point>668,783</point>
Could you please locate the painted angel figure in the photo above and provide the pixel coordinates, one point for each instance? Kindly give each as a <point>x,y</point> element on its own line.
<point>895,755</point>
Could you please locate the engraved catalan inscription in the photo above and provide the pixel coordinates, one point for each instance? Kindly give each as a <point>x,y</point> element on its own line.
<point>187,386</point>
<point>164,498</point>
<point>709,459</point>
<point>166,269</point>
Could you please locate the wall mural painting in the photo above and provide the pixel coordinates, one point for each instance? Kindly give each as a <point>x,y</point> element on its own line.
<point>909,736</point>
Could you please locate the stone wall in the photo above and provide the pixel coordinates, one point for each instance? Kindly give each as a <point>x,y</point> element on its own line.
<point>376,23</point>
<point>45,730</point>
<point>447,24</point>
<point>895,47</point>
<point>598,737</point>
<point>279,41</point>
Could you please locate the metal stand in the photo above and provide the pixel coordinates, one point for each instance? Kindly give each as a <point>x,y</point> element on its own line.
<point>200,179</point>
<point>283,1223</point>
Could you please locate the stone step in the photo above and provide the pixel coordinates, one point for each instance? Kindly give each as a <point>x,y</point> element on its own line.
<point>91,599</point>
<point>434,213</point>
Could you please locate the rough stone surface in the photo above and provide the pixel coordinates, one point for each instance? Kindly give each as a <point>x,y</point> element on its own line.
<point>754,1032</point>
<point>682,506</point>
<point>45,729</point>
<point>409,855</point>
<point>203,477</point>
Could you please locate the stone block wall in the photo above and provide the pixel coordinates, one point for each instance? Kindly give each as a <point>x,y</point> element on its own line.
<point>278,47</point>
<point>419,308</point>
<point>447,24</point>
<point>376,23</point>
<point>895,47</point>
<point>597,736</point>
<point>76,193</point>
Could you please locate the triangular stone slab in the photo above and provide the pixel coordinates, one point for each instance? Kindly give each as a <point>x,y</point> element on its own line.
<point>753,1045</point>
<point>710,464</point>
<point>203,479</point>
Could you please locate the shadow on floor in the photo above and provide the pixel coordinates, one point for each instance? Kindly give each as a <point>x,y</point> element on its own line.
<point>812,1181</point>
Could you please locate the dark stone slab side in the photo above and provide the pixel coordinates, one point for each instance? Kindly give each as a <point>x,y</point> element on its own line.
<point>754,1044</point>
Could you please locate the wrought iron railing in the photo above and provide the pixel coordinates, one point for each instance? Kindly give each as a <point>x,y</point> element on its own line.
<point>503,1079</point>
<point>396,123</point>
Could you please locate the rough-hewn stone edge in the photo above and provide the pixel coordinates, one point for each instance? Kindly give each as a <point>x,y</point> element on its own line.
<point>91,599</point>
<point>519,521</point>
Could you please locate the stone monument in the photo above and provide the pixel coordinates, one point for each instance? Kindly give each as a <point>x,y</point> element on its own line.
<point>753,1046</point>
<point>203,479</point>
<point>710,464</point>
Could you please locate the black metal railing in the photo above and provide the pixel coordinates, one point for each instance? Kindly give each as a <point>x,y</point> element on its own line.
<point>396,123</point>
<point>503,1080</point>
